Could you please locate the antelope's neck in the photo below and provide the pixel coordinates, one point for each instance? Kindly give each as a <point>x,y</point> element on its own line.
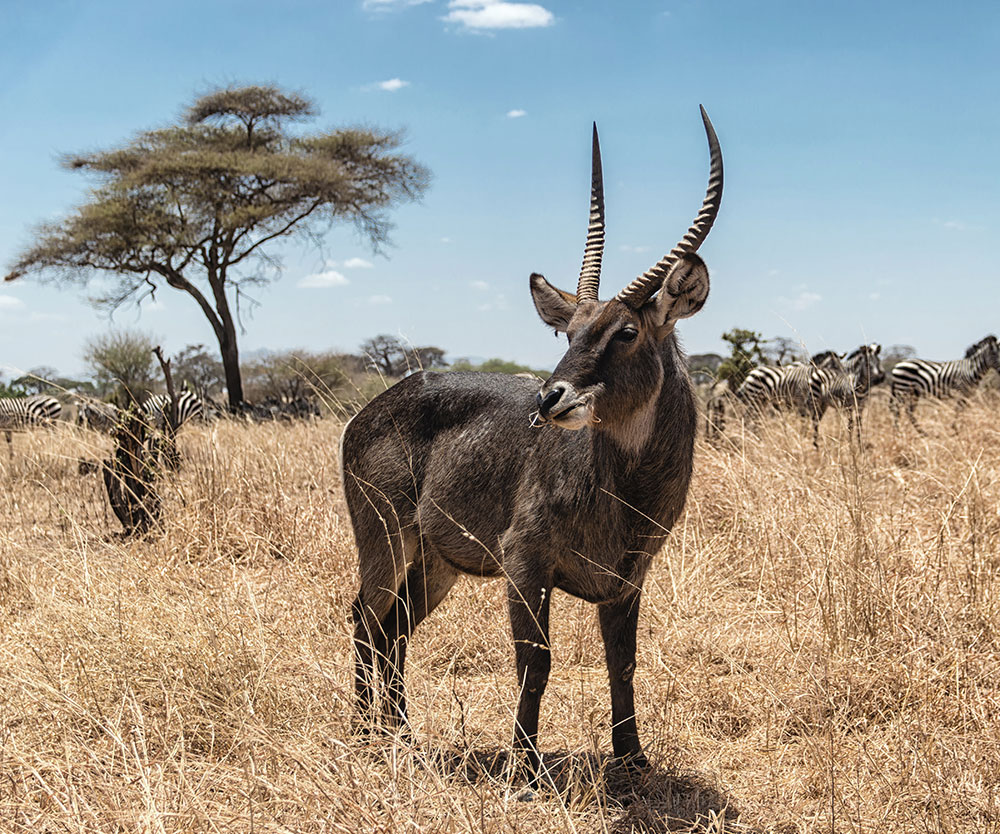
<point>645,462</point>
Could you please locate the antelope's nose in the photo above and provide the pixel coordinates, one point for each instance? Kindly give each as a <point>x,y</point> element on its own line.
<point>547,401</point>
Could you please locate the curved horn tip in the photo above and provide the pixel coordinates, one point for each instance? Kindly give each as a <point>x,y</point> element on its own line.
<point>709,127</point>
<point>640,290</point>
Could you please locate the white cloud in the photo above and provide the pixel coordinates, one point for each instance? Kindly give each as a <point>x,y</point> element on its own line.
<point>357,263</point>
<point>48,317</point>
<point>637,249</point>
<point>516,114</point>
<point>802,301</point>
<point>957,225</point>
<point>875,296</point>
<point>380,299</point>
<point>499,302</point>
<point>482,286</point>
<point>329,278</point>
<point>481,15</point>
<point>446,240</point>
<point>390,5</point>
<point>391,85</point>
<point>10,302</point>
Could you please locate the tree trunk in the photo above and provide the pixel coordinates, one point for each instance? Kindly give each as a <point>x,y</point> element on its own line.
<point>170,455</point>
<point>228,346</point>
<point>231,364</point>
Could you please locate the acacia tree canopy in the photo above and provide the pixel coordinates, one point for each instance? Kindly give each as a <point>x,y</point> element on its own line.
<point>194,206</point>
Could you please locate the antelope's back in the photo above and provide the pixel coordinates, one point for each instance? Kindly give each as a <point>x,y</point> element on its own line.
<point>450,447</point>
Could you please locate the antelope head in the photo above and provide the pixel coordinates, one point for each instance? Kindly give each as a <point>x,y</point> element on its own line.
<point>613,370</point>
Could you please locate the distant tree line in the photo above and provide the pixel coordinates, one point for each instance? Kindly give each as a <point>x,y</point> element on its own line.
<point>121,366</point>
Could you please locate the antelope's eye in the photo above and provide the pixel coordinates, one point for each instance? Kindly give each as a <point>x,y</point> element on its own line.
<point>626,334</point>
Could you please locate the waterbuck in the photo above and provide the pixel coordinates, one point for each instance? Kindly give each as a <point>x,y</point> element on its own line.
<point>573,486</point>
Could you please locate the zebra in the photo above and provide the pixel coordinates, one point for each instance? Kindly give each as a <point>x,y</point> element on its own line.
<point>189,407</point>
<point>103,416</point>
<point>718,397</point>
<point>794,386</point>
<point>828,378</point>
<point>99,416</point>
<point>916,378</point>
<point>846,382</point>
<point>19,413</point>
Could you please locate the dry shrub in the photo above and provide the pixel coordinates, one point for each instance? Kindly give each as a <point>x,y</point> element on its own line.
<point>818,650</point>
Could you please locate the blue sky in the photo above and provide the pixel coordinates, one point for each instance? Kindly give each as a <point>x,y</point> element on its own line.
<point>862,183</point>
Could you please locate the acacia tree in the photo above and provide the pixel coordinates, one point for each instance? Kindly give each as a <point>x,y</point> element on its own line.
<point>194,206</point>
<point>294,374</point>
<point>781,349</point>
<point>198,369</point>
<point>746,354</point>
<point>393,356</point>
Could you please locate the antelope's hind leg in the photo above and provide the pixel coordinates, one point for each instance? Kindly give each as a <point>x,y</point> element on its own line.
<point>427,582</point>
<point>382,561</point>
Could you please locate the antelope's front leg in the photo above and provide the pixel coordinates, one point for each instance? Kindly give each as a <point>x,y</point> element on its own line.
<point>619,621</point>
<point>528,601</point>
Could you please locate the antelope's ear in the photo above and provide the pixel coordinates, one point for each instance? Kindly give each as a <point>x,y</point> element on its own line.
<point>683,293</point>
<point>555,306</point>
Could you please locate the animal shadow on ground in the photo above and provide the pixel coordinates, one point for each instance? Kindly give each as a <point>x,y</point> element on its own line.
<point>655,800</point>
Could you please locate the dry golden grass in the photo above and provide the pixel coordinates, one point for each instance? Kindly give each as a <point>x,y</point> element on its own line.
<point>818,651</point>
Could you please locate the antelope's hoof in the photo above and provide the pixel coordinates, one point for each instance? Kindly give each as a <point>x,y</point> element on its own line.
<point>634,764</point>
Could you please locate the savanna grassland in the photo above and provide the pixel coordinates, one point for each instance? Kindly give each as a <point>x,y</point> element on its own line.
<point>819,650</point>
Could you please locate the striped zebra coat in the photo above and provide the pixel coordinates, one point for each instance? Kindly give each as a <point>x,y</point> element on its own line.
<point>772,388</point>
<point>102,416</point>
<point>916,378</point>
<point>811,387</point>
<point>846,383</point>
<point>96,415</point>
<point>189,407</point>
<point>20,413</point>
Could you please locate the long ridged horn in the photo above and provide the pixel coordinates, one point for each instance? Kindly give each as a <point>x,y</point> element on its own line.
<point>593,252</point>
<point>638,292</point>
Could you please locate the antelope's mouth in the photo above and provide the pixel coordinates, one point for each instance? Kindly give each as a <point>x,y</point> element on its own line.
<point>576,415</point>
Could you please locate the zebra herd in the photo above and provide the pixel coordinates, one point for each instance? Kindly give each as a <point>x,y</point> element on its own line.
<point>23,413</point>
<point>845,382</point>
<point>102,416</point>
<point>17,414</point>
<point>827,380</point>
